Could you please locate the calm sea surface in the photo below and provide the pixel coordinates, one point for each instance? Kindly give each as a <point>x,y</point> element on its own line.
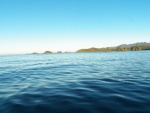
<point>109,82</point>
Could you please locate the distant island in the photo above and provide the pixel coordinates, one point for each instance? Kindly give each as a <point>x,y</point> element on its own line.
<point>47,52</point>
<point>34,53</point>
<point>123,47</point>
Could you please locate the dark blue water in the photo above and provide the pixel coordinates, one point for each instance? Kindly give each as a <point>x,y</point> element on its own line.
<point>113,82</point>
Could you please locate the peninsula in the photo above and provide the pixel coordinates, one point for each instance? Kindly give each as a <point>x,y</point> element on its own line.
<point>123,47</point>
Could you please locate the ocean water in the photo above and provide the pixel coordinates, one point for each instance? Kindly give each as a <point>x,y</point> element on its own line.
<point>106,82</point>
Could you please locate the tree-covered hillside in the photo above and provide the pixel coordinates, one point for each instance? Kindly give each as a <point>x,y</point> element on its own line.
<point>123,47</point>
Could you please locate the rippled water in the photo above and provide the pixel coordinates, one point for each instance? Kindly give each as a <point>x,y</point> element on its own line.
<point>113,82</point>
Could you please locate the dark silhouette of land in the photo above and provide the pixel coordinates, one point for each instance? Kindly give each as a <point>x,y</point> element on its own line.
<point>123,47</point>
<point>47,52</point>
<point>34,53</point>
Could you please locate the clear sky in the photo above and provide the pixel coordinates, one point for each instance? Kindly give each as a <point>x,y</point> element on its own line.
<point>28,26</point>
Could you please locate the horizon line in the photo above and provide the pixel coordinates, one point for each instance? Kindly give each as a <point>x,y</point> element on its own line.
<point>66,50</point>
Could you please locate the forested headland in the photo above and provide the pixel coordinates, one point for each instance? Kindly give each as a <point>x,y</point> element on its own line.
<point>123,47</point>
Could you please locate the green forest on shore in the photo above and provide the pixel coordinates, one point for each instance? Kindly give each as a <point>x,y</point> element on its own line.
<point>123,47</point>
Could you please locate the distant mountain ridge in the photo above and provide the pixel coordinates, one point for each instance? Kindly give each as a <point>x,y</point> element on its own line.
<point>123,47</point>
<point>135,44</point>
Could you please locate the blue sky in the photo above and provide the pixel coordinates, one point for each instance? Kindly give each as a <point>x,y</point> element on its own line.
<point>38,25</point>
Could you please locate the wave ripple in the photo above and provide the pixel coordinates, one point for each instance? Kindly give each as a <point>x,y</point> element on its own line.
<point>111,82</point>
